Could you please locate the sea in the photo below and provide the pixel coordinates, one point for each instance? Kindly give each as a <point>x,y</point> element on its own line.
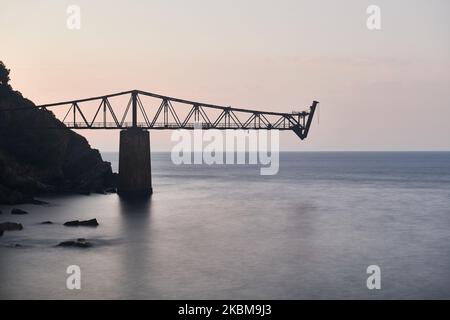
<point>315,230</point>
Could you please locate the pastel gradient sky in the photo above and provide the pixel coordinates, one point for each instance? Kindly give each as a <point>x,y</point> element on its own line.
<point>379,90</point>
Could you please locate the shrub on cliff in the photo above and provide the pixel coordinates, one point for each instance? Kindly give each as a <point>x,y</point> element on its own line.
<point>4,75</point>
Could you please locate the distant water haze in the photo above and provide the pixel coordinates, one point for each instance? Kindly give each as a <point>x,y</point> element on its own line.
<point>226,232</point>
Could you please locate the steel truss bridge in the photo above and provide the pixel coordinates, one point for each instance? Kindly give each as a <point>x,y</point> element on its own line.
<point>171,113</point>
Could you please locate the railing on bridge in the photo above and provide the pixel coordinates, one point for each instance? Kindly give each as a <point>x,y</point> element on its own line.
<point>174,125</point>
<point>208,116</point>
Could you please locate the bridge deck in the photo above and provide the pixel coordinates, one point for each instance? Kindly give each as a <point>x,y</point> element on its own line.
<point>167,118</point>
<point>174,126</point>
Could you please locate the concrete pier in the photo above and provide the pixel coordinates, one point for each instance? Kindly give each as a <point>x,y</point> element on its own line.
<point>135,173</point>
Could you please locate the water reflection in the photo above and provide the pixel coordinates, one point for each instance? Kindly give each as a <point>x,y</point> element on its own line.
<point>135,215</point>
<point>136,257</point>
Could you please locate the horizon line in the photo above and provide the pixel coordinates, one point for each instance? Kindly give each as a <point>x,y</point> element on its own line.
<point>311,151</point>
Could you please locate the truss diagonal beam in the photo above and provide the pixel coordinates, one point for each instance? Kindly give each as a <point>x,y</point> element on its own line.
<point>228,118</point>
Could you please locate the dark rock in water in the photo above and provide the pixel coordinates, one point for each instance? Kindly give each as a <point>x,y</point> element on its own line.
<point>67,243</point>
<point>74,223</point>
<point>10,226</point>
<point>47,222</point>
<point>18,211</point>
<point>86,223</point>
<point>1,232</point>
<point>38,202</point>
<point>111,190</point>
<point>1,212</point>
<point>79,243</point>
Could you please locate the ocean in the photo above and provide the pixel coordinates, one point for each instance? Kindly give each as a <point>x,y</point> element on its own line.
<point>227,232</point>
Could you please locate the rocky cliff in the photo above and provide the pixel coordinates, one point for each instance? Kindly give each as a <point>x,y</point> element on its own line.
<point>38,154</point>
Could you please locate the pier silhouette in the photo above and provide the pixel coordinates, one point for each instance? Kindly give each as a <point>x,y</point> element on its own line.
<point>134,156</point>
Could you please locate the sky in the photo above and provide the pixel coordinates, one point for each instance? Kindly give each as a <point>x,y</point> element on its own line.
<point>385,89</point>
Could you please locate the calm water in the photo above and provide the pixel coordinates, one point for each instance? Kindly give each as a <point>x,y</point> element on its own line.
<point>227,232</point>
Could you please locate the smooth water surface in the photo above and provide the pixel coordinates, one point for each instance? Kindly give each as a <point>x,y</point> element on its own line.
<point>226,232</point>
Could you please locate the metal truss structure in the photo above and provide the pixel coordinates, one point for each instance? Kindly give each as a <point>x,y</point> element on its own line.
<point>168,115</point>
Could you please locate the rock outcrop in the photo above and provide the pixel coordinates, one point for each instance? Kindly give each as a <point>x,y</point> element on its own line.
<point>18,211</point>
<point>79,243</point>
<point>38,154</point>
<point>86,223</point>
<point>10,226</point>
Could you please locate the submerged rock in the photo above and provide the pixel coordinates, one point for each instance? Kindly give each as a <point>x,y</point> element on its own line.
<point>46,222</point>
<point>79,243</point>
<point>77,223</point>
<point>111,190</point>
<point>18,211</point>
<point>38,202</point>
<point>10,226</point>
